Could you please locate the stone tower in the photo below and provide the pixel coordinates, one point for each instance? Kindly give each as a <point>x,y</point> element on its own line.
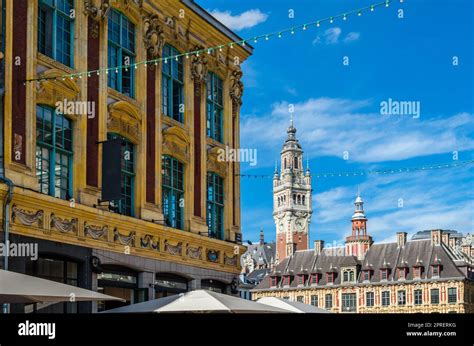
<point>291,199</point>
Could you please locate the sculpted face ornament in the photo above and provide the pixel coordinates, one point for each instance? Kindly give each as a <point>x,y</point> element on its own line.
<point>237,87</point>
<point>199,67</point>
<point>96,13</point>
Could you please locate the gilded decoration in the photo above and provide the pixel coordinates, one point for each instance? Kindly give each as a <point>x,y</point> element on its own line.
<point>96,232</point>
<point>176,143</point>
<point>213,256</point>
<point>193,252</point>
<point>173,249</point>
<point>213,162</point>
<point>236,89</point>
<point>27,217</point>
<point>64,225</point>
<point>50,91</point>
<point>230,260</point>
<point>124,239</point>
<point>124,118</point>
<point>154,37</point>
<point>96,10</point>
<point>148,242</point>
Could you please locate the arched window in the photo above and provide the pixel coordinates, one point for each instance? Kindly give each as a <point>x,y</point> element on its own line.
<point>299,199</point>
<point>127,177</point>
<point>303,200</point>
<point>284,163</point>
<point>121,52</point>
<point>56,30</point>
<point>53,153</point>
<point>173,192</point>
<point>172,84</point>
<point>296,162</point>
<point>215,205</point>
<point>294,198</point>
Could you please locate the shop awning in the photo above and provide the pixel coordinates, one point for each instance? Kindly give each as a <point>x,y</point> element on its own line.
<point>200,301</point>
<point>21,288</point>
<point>290,306</point>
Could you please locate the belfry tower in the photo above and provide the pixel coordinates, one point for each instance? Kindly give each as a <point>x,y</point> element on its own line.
<point>291,199</point>
<point>359,242</point>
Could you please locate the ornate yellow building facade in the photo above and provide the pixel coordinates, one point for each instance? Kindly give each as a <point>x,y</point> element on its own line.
<point>58,204</point>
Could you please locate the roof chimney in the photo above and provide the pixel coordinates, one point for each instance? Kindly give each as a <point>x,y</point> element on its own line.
<point>436,236</point>
<point>290,249</point>
<point>318,246</point>
<point>452,242</point>
<point>401,239</point>
<point>466,248</point>
<point>445,238</point>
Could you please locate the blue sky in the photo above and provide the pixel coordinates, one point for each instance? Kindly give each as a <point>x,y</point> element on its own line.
<point>337,109</point>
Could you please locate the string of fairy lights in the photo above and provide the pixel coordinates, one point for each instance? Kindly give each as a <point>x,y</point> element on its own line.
<point>375,171</point>
<point>243,42</point>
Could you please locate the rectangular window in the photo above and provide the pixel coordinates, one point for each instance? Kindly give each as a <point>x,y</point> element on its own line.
<point>452,295</point>
<point>435,270</point>
<point>369,297</point>
<point>349,302</point>
<point>385,298</point>
<point>53,153</point>
<point>314,279</point>
<point>215,205</point>
<point>173,192</point>
<point>435,296</point>
<point>314,300</point>
<point>300,299</point>
<point>366,275</point>
<point>125,205</point>
<point>401,297</point>
<point>273,281</point>
<point>328,301</point>
<point>300,279</point>
<point>330,278</point>
<point>418,297</point>
<point>383,274</point>
<point>172,84</point>
<point>401,273</point>
<point>56,30</point>
<point>121,53</point>
<point>214,123</point>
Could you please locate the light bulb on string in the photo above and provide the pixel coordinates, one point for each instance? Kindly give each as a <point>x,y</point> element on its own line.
<point>279,35</point>
<point>292,31</point>
<point>176,59</point>
<point>166,61</point>
<point>318,24</point>
<point>344,17</point>
<point>359,13</point>
<point>267,38</point>
<point>331,20</point>
<point>255,40</point>
<point>304,27</point>
<point>372,8</point>
<point>387,3</point>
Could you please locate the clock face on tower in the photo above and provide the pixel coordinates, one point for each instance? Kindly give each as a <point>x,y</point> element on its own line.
<point>300,224</point>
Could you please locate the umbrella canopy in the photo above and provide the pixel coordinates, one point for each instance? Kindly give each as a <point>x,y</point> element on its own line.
<point>21,288</point>
<point>291,306</point>
<point>198,301</point>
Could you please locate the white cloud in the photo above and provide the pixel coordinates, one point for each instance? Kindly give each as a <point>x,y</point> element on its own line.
<point>330,36</point>
<point>352,36</point>
<point>245,20</point>
<point>431,200</point>
<point>329,127</point>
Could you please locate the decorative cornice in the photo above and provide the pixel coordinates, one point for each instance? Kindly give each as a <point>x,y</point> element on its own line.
<point>97,14</point>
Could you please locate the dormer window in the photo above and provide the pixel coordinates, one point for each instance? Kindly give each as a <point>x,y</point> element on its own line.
<point>417,271</point>
<point>273,281</point>
<point>286,280</point>
<point>435,270</point>
<point>301,279</point>
<point>348,275</point>
<point>330,278</point>
<point>384,274</point>
<point>314,279</point>
<point>402,273</point>
<point>366,275</point>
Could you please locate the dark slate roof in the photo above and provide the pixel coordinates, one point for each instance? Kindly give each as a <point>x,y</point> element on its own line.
<point>262,254</point>
<point>426,234</point>
<point>379,256</point>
